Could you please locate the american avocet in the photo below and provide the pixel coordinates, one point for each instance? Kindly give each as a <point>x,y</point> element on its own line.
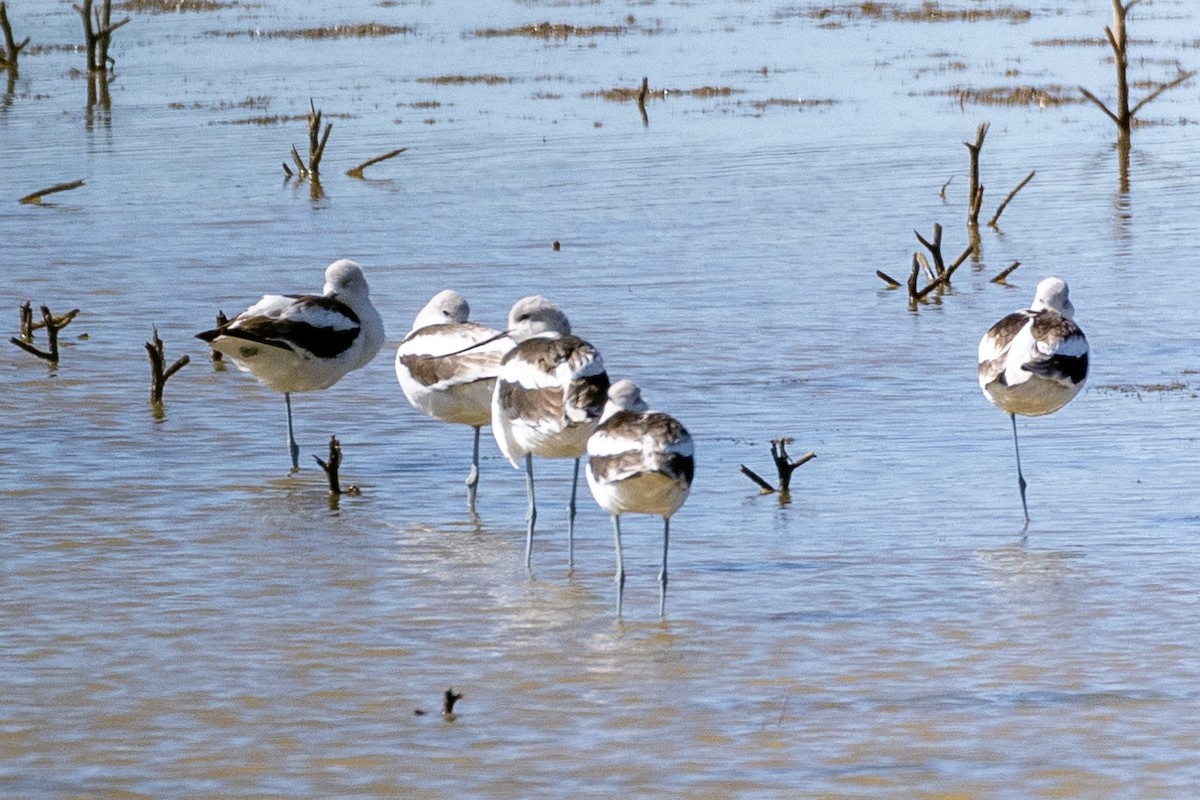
<point>1034,361</point>
<point>548,399</point>
<point>447,368</point>
<point>306,342</point>
<point>641,462</point>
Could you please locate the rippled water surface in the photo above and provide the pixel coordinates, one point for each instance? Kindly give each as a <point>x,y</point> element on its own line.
<point>181,617</point>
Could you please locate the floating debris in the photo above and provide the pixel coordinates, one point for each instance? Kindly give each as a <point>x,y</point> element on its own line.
<point>368,30</point>
<point>552,30</point>
<point>458,80</point>
<point>927,12</point>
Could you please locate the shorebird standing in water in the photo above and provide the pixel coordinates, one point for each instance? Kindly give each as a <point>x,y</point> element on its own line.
<point>548,399</point>
<point>447,368</point>
<point>1032,362</point>
<point>302,343</point>
<point>642,462</point>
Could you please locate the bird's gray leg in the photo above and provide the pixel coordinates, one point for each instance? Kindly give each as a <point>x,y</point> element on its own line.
<point>620,576</point>
<point>571,519</point>
<point>1020,478</point>
<point>662,576</point>
<point>473,475</point>
<point>530,513</point>
<point>293,448</point>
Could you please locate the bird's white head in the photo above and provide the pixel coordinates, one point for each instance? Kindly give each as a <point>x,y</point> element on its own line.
<point>344,280</point>
<point>535,315</point>
<point>446,307</point>
<point>624,395</point>
<point>1052,294</point>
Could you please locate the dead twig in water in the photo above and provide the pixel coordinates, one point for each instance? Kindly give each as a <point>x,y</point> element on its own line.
<point>8,58</point>
<point>1000,278</point>
<point>53,325</point>
<point>331,466</point>
<point>888,279</point>
<point>36,197</point>
<point>944,272</point>
<point>159,375</point>
<point>783,465</point>
<point>641,101</point>
<point>996,217</point>
<point>331,469</point>
<point>448,700</point>
<point>934,248</point>
<point>975,190</point>
<point>98,37</point>
<point>1117,39</point>
<point>357,172</point>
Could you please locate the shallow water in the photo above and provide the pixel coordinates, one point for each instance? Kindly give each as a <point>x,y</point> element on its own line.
<point>182,617</point>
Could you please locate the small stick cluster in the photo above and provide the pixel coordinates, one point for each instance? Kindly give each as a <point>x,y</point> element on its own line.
<point>98,29</point>
<point>937,277</point>
<point>939,274</point>
<point>53,324</point>
<point>316,148</point>
<point>784,466</point>
<point>159,373</point>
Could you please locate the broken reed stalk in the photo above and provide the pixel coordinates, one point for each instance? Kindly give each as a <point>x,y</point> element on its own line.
<point>357,172</point>
<point>975,190</point>
<point>888,279</point>
<point>98,36</point>
<point>1118,39</point>
<point>641,101</point>
<point>8,59</point>
<point>448,700</point>
<point>1000,278</point>
<point>331,466</point>
<point>996,217</point>
<point>52,324</point>
<point>36,197</point>
<point>159,375</point>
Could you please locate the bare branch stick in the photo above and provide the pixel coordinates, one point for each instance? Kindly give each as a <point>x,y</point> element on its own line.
<point>1007,200</point>
<point>752,475</point>
<point>357,172</point>
<point>963,256</point>
<point>1000,278</point>
<point>1099,103</point>
<point>158,375</point>
<point>934,248</point>
<point>8,59</point>
<point>37,196</point>
<point>641,101</point>
<point>28,348</point>
<point>331,467</point>
<point>975,190</point>
<point>1183,76</point>
<point>888,279</point>
<point>784,464</point>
